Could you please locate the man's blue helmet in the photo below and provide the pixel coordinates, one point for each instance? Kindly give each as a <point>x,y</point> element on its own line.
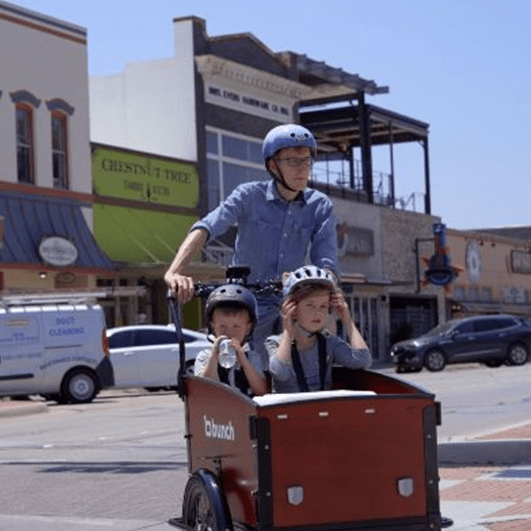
<point>286,136</point>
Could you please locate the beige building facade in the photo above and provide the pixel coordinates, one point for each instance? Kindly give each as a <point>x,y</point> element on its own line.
<point>496,276</point>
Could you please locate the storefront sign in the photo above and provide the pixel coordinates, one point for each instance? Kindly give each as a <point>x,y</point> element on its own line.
<point>57,251</point>
<point>137,177</point>
<point>355,241</point>
<point>246,103</point>
<point>521,262</point>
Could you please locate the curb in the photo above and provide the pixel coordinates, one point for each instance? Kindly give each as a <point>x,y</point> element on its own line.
<point>483,453</point>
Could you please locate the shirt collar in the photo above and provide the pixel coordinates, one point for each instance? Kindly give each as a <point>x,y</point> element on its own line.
<point>272,193</point>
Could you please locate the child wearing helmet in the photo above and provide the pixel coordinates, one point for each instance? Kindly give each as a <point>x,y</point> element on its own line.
<point>279,222</point>
<point>231,314</point>
<point>301,358</point>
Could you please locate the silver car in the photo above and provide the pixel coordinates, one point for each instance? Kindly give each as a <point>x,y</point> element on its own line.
<point>148,355</point>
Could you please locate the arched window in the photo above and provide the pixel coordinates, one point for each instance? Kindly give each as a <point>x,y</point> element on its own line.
<point>60,150</point>
<point>60,111</point>
<point>25,143</point>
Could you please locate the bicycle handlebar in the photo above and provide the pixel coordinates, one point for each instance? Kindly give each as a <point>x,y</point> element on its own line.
<point>204,289</point>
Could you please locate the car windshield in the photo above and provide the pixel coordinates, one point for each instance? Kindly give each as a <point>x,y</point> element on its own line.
<point>439,329</point>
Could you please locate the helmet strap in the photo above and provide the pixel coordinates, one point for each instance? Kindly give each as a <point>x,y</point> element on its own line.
<point>279,178</point>
<point>303,331</point>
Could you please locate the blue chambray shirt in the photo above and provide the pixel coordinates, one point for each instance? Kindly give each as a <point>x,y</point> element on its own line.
<point>275,235</point>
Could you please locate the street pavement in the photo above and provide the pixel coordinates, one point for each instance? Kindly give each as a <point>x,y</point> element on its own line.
<point>485,485</point>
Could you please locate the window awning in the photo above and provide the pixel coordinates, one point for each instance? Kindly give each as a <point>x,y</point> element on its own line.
<point>27,219</point>
<point>140,236</point>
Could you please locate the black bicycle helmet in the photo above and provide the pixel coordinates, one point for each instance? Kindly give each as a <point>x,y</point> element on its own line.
<point>232,294</point>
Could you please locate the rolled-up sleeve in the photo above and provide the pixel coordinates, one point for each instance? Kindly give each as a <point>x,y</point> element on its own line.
<point>201,361</point>
<point>345,355</point>
<point>279,369</point>
<point>227,214</point>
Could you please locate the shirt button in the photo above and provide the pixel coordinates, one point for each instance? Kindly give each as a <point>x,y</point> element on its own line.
<point>285,235</point>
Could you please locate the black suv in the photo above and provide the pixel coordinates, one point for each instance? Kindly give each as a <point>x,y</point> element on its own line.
<point>489,339</point>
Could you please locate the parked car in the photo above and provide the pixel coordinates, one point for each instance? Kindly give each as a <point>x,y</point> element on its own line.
<point>148,355</point>
<point>489,339</point>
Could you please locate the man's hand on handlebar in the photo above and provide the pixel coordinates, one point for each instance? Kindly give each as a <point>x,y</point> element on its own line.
<point>180,285</point>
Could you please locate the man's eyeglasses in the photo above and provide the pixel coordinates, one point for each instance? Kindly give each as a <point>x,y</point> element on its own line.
<point>295,162</point>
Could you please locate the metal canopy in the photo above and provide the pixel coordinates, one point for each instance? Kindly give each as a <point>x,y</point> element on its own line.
<point>317,74</point>
<point>344,125</point>
<point>338,129</point>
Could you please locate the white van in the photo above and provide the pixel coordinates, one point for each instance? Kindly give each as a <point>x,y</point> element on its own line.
<point>59,351</point>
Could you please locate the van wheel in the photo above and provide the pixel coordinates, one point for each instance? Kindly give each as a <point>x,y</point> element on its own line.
<point>434,360</point>
<point>79,386</point>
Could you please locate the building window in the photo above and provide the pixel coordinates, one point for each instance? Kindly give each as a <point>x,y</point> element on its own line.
<point>486,294</point>
<point>59,150</point>
<point>459,293</point>
<point>473,294</point>
<point>232,160</point>
<point>25,145</point>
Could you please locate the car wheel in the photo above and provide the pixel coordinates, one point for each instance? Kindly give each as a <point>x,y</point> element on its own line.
<point>434,360</point>
<point>189,368</point>
<point>79,386</point>
<point>496,362</point>
<point>153,389</point>
<point>517,354</point>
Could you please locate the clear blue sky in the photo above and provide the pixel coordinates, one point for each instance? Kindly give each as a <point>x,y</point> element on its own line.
<point>462,66</point>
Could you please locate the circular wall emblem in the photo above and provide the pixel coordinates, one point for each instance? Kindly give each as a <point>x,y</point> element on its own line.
<point>473,261</point>
<point>57,251</point>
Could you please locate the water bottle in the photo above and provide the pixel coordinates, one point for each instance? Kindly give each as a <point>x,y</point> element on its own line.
<point>227,354</point>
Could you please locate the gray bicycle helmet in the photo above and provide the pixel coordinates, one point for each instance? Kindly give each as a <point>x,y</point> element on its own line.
<point>286,136</point>
<point>307,275</point>
<point>232,295</point>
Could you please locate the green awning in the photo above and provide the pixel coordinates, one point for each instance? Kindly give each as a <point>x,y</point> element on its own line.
<point>139,236</point>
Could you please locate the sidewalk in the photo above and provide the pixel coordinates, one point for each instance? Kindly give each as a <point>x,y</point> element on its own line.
<point>485,484</point>
<point>486,481</point>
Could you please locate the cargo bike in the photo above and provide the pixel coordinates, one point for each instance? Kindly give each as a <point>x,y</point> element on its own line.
<point>361,456</point>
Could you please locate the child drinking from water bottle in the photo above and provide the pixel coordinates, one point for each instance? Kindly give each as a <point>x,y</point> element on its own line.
<point>231,313</point>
